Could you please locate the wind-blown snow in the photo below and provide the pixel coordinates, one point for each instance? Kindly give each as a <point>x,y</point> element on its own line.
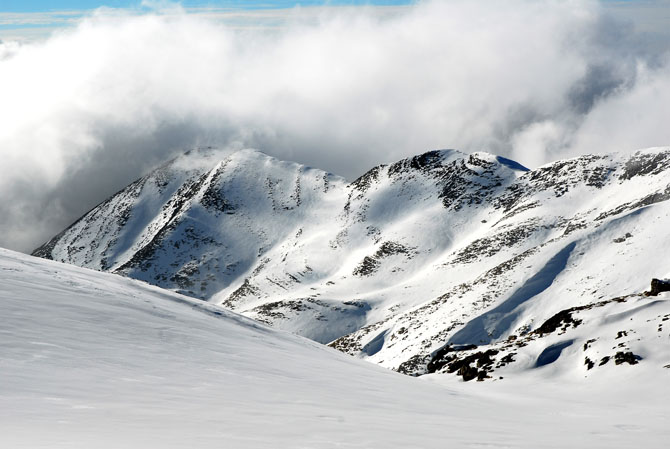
<point>90,359</point>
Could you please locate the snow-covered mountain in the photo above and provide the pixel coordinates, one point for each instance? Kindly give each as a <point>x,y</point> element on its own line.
<point>90,359</point>
<point>413,264</point>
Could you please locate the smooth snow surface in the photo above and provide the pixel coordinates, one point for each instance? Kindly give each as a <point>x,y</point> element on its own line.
<point>93,360</point>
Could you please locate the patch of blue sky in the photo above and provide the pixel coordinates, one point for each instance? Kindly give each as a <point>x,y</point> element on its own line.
<point>27,6</point>
<point>20,26</point>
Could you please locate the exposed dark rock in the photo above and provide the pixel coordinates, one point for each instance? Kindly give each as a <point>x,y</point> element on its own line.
<point>371,264</point>
<point>574,226</point>
<point>645,164</point>
<point>485,359</point>
<point>626,357</point>
<point>440,358</point>
<point>589,363</point>
<point>489,246</point>
<point>389,248</point>
<point>587,345</point>
<point>623,239</point>
<point>506,359</point>
<point>367,267</point>
<point>468,372</point>
<point>517,210</point>
<point>598,177</point>
<point>505,266</point>
<point>658,286</point>
<point>356,303</point>
<point>562,318</point>
<point>463,368</point>
<point>246,289</point>
<point>364,182</point>
<point>646,201</point>
<point>415,365</point>
<point>351,343</point>
<point>456,362</point>
<point>425,162</point>
<point>214,200</point>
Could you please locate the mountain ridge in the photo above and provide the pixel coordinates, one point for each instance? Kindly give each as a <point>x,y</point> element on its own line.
<point>394,267</point>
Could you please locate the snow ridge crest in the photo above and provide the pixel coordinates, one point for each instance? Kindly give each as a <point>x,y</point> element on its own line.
<point>443,248</point>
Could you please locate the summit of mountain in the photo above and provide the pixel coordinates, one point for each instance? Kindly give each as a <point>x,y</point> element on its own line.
<point>410,264</point>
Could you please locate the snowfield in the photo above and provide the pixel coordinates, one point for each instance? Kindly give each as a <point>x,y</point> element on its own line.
<point>95,360</point>
<point>443,248</point>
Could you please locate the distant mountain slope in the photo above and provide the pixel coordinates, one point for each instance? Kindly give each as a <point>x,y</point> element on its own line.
<point>94,360</point>
<point>442,248</point>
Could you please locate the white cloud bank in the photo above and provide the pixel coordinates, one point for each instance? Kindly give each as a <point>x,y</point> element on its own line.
<point>91,108</point>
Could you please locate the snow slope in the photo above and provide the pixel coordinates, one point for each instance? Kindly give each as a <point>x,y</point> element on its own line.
<point>442,248</point>
<point>89,359</point>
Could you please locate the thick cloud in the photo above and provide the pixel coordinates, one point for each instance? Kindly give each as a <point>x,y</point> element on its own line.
<point>90,109</point>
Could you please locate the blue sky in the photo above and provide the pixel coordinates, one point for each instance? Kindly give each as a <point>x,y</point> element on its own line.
<point>62,5</point>
<point>35,20</point>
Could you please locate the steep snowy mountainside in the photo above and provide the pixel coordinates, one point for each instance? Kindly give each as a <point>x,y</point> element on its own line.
<point>200,221</point>
<point>91,359</point>
<point>439,249</point>
<point>569,234</point>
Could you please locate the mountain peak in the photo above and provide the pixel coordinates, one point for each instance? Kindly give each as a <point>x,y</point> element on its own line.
<point>436,248</point>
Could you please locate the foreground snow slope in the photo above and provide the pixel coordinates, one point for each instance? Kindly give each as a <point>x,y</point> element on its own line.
<point>441,248</point>
<point>89,359</point>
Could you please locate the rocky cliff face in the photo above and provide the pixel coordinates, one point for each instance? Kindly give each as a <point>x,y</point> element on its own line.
<point>412,264</point>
